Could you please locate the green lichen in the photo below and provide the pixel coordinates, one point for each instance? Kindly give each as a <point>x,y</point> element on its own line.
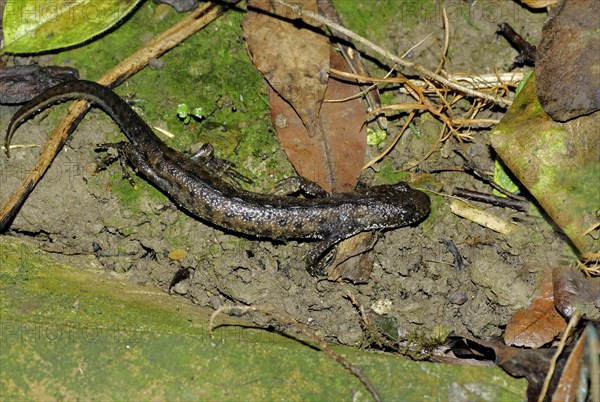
<point>375,136</point>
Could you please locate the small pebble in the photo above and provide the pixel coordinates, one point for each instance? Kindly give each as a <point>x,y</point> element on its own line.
<point>181,288</point>
<point>459,297</point>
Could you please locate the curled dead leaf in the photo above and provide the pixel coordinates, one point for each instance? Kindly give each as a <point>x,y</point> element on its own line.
<point>333,157</point>
<point>537,324</point>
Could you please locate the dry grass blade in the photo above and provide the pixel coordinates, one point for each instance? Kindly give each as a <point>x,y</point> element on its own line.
<point>446,40</point>
<point>572,323</point>
<point>393,143</point>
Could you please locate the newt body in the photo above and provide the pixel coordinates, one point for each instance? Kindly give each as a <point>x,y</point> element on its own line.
<point>196,189</point>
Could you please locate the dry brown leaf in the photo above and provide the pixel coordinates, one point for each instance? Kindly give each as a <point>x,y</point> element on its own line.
<point>537,324</point>
<point>293,58</point>
<point>569,380</point>
<point>333,157</point>
<point>353,262</point>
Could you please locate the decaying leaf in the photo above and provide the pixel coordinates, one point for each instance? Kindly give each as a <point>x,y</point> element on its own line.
<point>572,290</point>
<point>567,65</point>
<point>292,57</point>
<point>333,157</point>
<point>537,324</point>
<point>353,262</point>
<point>354,59</point>
<point>571,381</point>
<point>528,363</point>
<point>22,83</point>
<point>533,364</point>
<point>559,163</point>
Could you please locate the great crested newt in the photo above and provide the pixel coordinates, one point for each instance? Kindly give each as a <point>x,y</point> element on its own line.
<point>200,191</point>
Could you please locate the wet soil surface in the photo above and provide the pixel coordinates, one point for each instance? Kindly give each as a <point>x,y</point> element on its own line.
<point>415,279</point>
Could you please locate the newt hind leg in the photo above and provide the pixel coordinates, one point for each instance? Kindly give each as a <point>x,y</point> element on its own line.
<point>318,258</point>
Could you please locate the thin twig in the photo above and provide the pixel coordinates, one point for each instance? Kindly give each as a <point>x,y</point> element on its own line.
<point>20,146</point>
<point>413,47</point>
<point>491,199</point>
<point>475,121</point>
<point>393,58</point>
<point>483,81</point>
<point>446,39</point>
<point>400,106</point>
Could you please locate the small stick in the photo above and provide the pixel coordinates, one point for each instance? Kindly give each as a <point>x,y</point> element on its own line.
<point>480,217</point>
<point>527,52</point>
<point>395,59</point>
<point>482,81</point>
<point>20,146</point>
<point>491,199</point>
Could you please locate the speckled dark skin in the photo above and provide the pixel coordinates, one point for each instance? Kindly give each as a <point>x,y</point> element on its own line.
<point>198,190</point>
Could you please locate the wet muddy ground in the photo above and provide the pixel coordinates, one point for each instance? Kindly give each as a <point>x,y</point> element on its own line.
<point>415,281</point>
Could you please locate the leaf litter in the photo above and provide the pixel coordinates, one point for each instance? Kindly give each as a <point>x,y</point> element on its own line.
<point>410,274</point>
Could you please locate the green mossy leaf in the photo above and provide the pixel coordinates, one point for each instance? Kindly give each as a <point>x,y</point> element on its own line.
<point>502,178</point>
<point>33,26</point>
<point>557,162</point>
